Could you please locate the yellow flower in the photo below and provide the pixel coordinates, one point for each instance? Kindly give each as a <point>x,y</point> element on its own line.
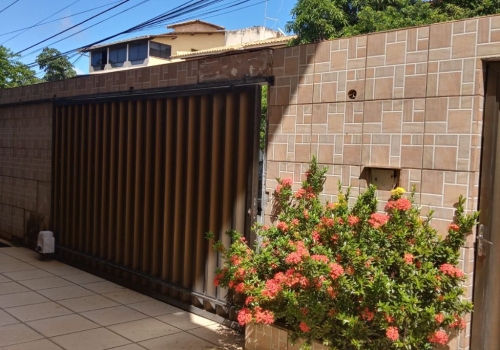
<point>398,191</point>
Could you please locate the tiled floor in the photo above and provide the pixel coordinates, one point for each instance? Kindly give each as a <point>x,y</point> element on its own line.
<point>47,305</point>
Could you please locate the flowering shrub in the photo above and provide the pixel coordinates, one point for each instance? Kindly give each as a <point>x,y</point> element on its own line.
<point>350,276</point>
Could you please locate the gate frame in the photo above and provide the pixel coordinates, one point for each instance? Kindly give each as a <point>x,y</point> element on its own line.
<point>483,334</point>
<point>108,269</point>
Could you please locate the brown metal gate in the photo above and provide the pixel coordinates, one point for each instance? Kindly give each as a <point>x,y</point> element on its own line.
<point>138,181</point>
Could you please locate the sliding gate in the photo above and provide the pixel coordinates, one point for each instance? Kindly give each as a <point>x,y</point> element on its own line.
<point>139,181</point>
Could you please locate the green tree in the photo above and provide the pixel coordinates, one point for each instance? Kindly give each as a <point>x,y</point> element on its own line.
<point>12,72</point>
<point>55,65</point>
<point>315,20</point>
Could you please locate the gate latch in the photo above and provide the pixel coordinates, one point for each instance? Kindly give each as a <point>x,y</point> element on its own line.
<point>480,241</point>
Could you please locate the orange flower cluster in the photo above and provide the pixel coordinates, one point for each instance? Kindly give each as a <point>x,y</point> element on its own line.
<point>451,270</point>
<point>377,219</point>
<point>300,252</point>
<point>399,204</point>
<point>392,333</point>
<point>439,337</point>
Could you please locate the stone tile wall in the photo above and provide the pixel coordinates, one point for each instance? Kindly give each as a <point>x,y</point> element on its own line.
<point>25,169</point>
<point>418,106</point>
<point>270,337</point>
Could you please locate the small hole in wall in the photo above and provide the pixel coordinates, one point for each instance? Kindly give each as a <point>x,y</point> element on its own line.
<point>352,94</point>
<point>384,179</point>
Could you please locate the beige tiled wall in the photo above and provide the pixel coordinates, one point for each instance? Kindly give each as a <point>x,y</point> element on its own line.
<point>419,107</point>
<point>25,168</point>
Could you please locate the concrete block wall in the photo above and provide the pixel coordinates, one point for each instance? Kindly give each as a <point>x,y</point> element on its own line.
<point>25,169</point>
<point>418,107</point>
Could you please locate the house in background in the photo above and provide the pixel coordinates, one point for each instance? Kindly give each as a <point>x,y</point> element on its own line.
<point>184,39</point>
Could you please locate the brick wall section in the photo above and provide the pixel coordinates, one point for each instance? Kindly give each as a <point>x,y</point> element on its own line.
<point>25,163</point>
<point>26,130</point>
<point>419,106</point>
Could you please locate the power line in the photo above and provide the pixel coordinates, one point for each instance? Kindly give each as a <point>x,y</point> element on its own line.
<point>84,29</point>
<point>60,18</point>
<point>203,15</point>
<point>64,8</point>
<point>181,10</point>
<point>5,8</point>
<point>76,25</point>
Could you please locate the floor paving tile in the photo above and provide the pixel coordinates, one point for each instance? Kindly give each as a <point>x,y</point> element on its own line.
<point>83,278</point>
<point>52,327</point>
<point>154,308</point>
<point>12,287</point>
<point>38,311</point>
<point>88,303</point>
<point>6,319</point>
<point>96,339</point>
<point>48,295</point>
<point>129,347</point>
<point>43,344</point>
<point>63,271</point>
<point>27,275</point>
<point>62,293</point>
<point>221,336</point>
<point>21,253</point>
<point>103,287</point>
<point>5,259</point>
<point>181,341</point>
<point>17,333</point>
<point>185,320</point>
<point>47,264</point>
<point>127,296</point>
<point>4,279</point>
<point>18,266</point>
<point>46,283</point>
<point>143,329</point>
<point>19,299</point>
<point>113,315</point>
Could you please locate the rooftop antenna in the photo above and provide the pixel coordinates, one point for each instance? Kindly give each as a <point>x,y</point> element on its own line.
<point>266,17</point>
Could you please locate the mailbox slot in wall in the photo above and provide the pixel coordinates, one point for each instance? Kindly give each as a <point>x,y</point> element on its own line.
<point>384,179</point>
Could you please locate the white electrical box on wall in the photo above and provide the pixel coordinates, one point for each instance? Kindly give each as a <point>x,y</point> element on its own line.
<point>46,242</point>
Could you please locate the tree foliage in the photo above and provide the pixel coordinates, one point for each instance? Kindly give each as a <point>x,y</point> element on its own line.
<point>12,72</point>
<point>315,20</point>
<point>55,65</point>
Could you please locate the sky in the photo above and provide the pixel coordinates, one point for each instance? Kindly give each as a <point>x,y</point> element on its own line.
<point>26,13</point>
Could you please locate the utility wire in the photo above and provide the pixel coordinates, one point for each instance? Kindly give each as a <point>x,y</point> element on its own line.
<point>176,12</point>
<point>28,28</point>
<point>73,34</point>
<point>76,25</point>
<point>203,15</point>
<point>60,18</point>
<point>179,11</point>
<point>5,8</point>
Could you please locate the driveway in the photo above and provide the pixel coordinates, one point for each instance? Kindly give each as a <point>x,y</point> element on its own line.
<point>47,305</point>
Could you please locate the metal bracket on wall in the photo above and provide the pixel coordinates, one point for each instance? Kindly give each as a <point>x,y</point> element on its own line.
<point>481,240</point>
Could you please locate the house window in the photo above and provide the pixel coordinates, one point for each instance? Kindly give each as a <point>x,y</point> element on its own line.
<point>99,58</point>
<point>159,50</point>
<point>117,55</point>
<point>138,52</point>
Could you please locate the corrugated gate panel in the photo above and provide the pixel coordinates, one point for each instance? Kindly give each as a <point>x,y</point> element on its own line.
<point>138,182</point>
